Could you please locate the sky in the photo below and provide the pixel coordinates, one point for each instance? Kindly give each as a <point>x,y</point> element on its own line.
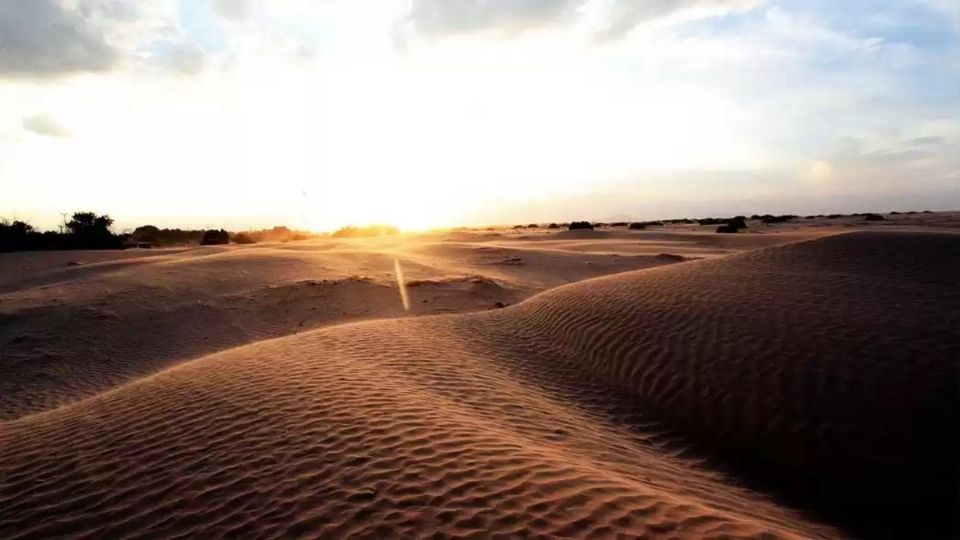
<point>315,114</point>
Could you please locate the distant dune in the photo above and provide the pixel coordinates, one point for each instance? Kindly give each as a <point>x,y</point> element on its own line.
<point>823,373</point>
<point>76,323</point>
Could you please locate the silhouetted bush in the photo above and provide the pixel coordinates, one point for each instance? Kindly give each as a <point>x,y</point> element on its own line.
<point>85,230</point>
<point>243,238</point>
<point>150,234</point>
<point>553,226</point>
<point>215,237</point>
<point>580,225</point>
<point>874,217</point>
<point>637,227</point>
<point>768,219</point>
<point>533,226</point>
<point>712,221</point>
<point>811,217</point>
<point>17,236</point>
<point>515,227</point>
<point>619,224</point>
<point>734,225</point>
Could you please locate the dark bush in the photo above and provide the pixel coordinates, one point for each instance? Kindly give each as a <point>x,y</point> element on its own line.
<point>85,230</point>
<point>734,225</point>
<point>619,224</point>
<point>533,226</point>
<point>580,225</point>
<point>214,237</point>
<point>243,238</point>
<point>873,217</point>
<point>712,221</point>
<point>637,226</point>
<point>553,226</point>
<point>768,219</point>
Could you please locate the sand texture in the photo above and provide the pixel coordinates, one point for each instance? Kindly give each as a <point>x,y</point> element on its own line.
<point>802,390</point>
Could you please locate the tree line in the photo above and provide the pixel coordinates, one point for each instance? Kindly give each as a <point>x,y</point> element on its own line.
<point>88,230</point>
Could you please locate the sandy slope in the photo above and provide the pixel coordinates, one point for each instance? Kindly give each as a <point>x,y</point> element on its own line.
<point>71,331</point>
<point>825,371</point>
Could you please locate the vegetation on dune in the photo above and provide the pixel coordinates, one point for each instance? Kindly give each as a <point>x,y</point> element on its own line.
<point>580,225</point>
<point>85,230</point>
<point>88,230</point>
<point>215,237</point>
<point>734,225</point>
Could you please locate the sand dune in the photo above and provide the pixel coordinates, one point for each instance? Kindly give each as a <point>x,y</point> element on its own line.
<point>819,371</point>
<point>69,331</point>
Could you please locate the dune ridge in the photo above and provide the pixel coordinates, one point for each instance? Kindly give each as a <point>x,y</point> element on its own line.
<point>541,419</point>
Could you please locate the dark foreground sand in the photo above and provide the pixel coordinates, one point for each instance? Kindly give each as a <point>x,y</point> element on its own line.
<point>805,390</point>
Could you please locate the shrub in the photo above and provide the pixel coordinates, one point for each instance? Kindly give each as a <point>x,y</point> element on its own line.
<point>214,237</point>
<point>553,226</point>
<point>873,217</point>
<point>712,221</point>
<point>734,225</point>
<point>768,219</point>
<point>243,238</point>
<point>580,225</point>
<point>637,227</point>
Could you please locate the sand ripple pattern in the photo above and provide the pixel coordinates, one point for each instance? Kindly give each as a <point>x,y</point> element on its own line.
<point>585,411</point>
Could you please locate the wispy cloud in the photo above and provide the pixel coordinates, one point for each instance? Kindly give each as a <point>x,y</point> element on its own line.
<point>44,124</point>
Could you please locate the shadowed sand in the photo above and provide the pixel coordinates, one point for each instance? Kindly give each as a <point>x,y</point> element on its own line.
<point>824,372</point>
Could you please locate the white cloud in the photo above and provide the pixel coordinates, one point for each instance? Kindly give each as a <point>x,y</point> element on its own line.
<point>236,10</point>
<point>44,124</point>
<point>610,18</point>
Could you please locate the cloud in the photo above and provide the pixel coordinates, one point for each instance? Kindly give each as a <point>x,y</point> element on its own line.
<point>611,18</point>
<point>40,38</point>
<point>443,17</point>
<point>235,10</point>
<point>45,125</point>
<point>620,16</point>
<point>186,57</point>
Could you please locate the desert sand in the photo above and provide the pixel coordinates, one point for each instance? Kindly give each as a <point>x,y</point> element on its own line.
<point>796,381</point>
